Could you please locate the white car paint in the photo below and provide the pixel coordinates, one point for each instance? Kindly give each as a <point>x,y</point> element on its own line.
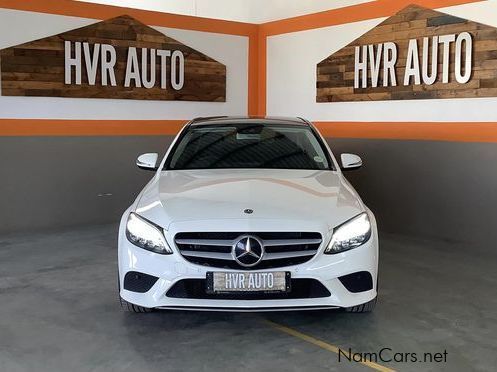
<point>214,200</point>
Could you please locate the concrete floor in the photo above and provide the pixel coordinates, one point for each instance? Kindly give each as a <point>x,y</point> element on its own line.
<point>59,312</point>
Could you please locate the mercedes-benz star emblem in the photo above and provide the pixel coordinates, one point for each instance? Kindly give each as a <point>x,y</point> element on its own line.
<point>248,250</point>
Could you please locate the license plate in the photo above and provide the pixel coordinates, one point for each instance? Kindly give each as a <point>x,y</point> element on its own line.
<point>274,281</point>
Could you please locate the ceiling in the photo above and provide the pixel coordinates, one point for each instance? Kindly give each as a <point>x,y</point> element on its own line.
<point>252,11</point>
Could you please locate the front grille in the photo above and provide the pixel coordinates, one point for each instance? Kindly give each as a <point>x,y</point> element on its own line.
<point>282,249</point>
<point>196,289</point>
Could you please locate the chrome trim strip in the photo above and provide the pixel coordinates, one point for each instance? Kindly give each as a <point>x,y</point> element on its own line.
<point>229,243</point>
<point>204,254</point>
<point>276,256</point>
<point>211,242</point>
<point>248,309</point>
<point>279,242</point>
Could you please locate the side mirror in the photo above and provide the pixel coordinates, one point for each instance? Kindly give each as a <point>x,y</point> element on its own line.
<point>350,161</point>
<point>147,161</point>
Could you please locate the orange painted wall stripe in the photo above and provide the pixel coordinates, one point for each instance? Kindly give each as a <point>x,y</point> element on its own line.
<point>349,14</point>
<point>432,131</point>
<point>354,13</point>
<point>151,18</point>
<point>49,127</point>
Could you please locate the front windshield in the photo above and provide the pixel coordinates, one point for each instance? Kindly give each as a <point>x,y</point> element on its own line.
<point>248,145</point>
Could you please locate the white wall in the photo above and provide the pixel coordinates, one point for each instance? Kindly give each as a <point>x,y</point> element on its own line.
<point>291,78</point>
<point>252,11</point>
<point>17,27</point>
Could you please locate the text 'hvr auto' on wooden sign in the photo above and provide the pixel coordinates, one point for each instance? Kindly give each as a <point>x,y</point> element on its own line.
<point>101,59</point>
<point>118,58</point>
<point>417,53</point>
<point>369,58</point>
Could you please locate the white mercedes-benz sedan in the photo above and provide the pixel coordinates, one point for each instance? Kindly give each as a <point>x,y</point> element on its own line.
<point>248,214</point>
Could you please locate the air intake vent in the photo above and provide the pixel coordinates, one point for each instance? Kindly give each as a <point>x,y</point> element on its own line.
<point>360,281</point>
<point>195,288</point>
<point>138,282</point>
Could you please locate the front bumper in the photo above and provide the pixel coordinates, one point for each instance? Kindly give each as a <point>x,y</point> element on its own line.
<point>324,268</point>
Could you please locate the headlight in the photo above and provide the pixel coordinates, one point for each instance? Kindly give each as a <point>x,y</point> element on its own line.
<point>146,235</point>
<point>351,234</point>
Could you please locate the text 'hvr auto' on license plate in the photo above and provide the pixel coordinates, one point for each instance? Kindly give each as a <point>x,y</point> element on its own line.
<point>249,281</point>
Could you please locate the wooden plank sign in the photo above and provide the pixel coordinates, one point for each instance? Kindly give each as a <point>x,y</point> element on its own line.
<point>118,58</point>
<point>417,53</point>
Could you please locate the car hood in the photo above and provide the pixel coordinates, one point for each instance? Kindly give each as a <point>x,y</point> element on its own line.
<point>301,196</point>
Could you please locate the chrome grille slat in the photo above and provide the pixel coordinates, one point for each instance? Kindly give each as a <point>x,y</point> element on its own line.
<point>267,243</point>
<point>281,248</point>
<point>279,242</point>
<point>277,256</point>
<point>213,242</point>
<point>214,255</point>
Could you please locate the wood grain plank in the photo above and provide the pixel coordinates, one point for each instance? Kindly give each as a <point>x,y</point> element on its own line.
<point>37,68</point>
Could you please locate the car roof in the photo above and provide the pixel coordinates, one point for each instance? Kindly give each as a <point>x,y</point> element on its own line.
<point>249,119</point>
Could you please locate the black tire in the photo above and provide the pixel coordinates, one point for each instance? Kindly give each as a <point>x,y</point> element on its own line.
<point>363,308</point>
<point>132,308</point>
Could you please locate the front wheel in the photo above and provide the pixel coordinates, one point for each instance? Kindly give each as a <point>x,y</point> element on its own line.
<point>363,308</point>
